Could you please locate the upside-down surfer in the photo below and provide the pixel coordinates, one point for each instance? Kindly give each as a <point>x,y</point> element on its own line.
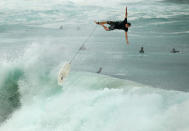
<point>121,25</point>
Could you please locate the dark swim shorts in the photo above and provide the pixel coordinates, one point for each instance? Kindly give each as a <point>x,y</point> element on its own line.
<point>112,25</point>
<point>120,25</point>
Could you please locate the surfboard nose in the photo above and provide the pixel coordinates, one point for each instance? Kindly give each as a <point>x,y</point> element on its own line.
<point>63,73</point>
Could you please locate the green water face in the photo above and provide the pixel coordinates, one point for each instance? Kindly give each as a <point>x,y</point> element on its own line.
<point>9,93</point>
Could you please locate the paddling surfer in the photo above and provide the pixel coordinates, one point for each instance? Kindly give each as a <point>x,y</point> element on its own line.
<point>174,51</point>
<point>141,50</point>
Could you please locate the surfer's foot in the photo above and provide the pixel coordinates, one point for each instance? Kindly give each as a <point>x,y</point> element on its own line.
<point>98,23</point>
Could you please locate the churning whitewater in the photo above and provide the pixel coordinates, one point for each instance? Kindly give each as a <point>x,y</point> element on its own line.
<point>133,92</point>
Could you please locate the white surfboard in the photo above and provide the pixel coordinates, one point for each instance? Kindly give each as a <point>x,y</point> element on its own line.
<point>64,71</point>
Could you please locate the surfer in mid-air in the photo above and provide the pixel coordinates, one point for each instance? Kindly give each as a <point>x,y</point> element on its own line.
<point>121,25</point>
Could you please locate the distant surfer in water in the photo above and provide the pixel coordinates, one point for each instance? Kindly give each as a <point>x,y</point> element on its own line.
<point>121,25</point>
<point>141,50</point>
<point>99,70</point>
<point>174,51</point>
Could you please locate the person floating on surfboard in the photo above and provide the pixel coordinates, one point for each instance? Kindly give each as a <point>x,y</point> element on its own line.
<point>174,51</point>
<point>141,50</point>
<point>121,25</point>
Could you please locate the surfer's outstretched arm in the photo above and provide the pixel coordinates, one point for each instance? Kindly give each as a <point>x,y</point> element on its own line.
<point>126,12</point>
<point>126,37</point>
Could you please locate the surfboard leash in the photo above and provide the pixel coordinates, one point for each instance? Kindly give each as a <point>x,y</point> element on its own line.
<point>83,44</point>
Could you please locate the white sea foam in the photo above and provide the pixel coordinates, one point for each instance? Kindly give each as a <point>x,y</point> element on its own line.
<point>105,104</point>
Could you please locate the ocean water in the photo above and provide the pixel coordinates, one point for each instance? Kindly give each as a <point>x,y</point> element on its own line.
<point>136,92</point>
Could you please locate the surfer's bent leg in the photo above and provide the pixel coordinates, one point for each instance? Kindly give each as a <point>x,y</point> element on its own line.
<point>106,28</point>
<point>103,22</point>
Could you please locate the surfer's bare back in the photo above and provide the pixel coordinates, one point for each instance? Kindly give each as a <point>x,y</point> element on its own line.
<point>121,25</point>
